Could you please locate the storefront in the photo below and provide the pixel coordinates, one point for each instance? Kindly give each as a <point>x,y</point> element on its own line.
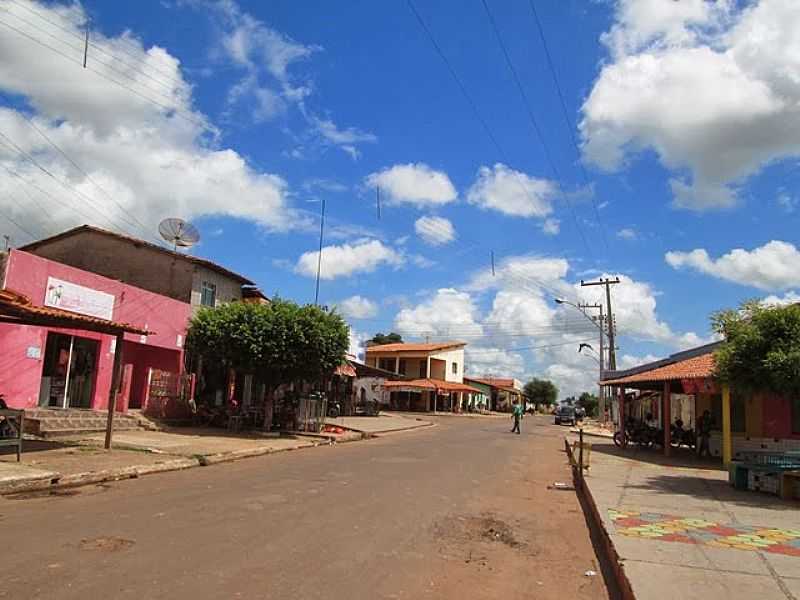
<point>69,371</point>
<point>58,367</point>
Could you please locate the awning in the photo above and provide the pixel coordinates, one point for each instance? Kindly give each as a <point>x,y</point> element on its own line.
<point>418,385</point>
<point>16,308</point>
<point>697,367</point>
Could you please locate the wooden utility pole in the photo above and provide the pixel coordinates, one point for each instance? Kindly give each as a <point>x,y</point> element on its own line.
<point>612,350</point>
<point>116,382</point>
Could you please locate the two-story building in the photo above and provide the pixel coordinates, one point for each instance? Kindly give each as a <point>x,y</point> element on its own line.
<point>53,367</point>
<point>186,278</point>
<point>435,373</point>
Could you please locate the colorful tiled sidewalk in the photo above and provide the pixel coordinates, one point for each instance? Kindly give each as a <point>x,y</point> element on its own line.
<point>671,528</point>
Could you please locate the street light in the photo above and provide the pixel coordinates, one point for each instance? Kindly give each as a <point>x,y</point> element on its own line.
<point>590,347</point>
<point>583,312</point>
<point>599,326</point>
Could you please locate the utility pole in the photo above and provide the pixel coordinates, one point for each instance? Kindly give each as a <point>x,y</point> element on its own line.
<point>319,258</point>
<point>612,353</point>
<point>601,405</point>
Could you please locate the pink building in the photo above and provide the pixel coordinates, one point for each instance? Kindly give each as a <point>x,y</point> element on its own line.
<point>63,368</point>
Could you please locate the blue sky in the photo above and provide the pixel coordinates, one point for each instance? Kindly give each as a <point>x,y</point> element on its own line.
<point>244,116</point>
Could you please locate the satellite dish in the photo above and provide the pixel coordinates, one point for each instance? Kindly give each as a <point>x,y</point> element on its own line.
<point>179,233</point>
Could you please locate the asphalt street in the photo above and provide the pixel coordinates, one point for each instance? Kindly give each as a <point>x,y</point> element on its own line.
<point>459,510</point>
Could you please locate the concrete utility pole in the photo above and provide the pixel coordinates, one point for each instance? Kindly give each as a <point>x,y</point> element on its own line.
<point>612,352</point>
<point>601,405</point>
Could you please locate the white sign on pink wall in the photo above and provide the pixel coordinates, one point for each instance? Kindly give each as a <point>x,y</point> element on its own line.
<point>78,299</point>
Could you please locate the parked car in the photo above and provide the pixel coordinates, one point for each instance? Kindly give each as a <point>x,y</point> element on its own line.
<point>565,414</point>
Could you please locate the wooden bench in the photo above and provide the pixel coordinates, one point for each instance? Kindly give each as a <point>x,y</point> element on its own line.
<point>13,421</point>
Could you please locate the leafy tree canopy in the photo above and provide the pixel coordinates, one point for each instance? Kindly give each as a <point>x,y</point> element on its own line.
<point>589,403</point>
<point>761,348</point>
<point>282,341</point>
<point>389,338</point>
<point>541,391</point>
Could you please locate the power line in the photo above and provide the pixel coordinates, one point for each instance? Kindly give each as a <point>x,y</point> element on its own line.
<point>494,350</point>
<point>178,112</point>
<point>532,119</point>
<point>18,226</point>
<point>564,111</point>
<point>120,41</point>
<point>56,179</point>
<point>83,50</point>
<point>477,113</point>
<point>135,222</point>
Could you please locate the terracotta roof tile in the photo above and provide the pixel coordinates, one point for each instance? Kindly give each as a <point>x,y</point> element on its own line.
<point>697,367</point>
<point>18,306</point>
<point>406,347</point>
<point>494,382</point>
<point>431,384</point>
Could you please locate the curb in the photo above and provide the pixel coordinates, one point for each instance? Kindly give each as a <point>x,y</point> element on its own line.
<point>401,429</point>
<point>58,481</point>
<point>593,434</point>
<point>596,526</point>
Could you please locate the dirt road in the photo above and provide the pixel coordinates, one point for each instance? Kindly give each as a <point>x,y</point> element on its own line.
<point>461,510</point>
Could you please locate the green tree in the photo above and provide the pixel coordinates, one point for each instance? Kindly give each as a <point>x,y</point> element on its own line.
<point>541,391</point>
<point>281,341</point>
<point>589,403</point>
<point>761,348</point>
<point>390,338</point>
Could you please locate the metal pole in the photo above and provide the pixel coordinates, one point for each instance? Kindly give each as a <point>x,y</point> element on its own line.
<point>580,454</point>
<point>86,46</point>
<point>116,377</point>
<point>319,257</point>
<point>601,401</point>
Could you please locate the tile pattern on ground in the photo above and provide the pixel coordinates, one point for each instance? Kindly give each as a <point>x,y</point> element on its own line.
<point>687,530</point>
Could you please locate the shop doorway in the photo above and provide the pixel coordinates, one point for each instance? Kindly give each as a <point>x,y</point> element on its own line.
<point>69,371</point>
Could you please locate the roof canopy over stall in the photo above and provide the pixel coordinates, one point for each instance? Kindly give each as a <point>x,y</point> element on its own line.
<point>18,309</point>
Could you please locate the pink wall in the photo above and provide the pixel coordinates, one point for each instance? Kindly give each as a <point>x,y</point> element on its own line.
<point>142,358</point>
<point>27,274</point>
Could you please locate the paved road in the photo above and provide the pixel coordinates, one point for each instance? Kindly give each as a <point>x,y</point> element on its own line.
<point>460,510</point>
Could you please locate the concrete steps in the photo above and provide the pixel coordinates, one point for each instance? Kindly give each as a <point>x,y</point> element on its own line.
<point>54,422</point>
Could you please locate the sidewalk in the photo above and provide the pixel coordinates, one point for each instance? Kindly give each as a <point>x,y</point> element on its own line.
<point>80,460</point>
<point>681,531</point>
<point>383,423</point>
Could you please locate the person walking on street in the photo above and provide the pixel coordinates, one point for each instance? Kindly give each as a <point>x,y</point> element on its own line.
<point>516,412</point>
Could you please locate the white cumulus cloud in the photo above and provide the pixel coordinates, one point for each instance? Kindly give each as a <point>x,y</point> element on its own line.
<point>435,231</point>
<point>773,266</point>
<point>347,259</point>
<point>358,307</point>
<point>145,160</point>
<point>414,183</point>
<point>512,192</point>
<point>551,226</point>
<point>450,313</point>
<point>790,297</point>
<point>712,87</point>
